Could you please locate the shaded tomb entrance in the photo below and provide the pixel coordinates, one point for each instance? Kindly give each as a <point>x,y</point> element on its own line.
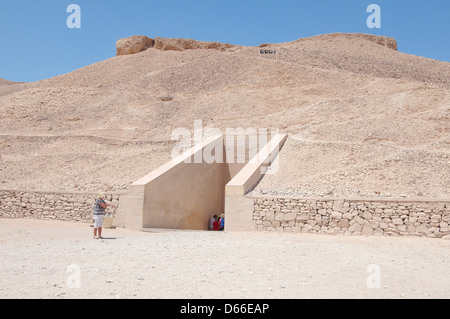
<point>187,191</point>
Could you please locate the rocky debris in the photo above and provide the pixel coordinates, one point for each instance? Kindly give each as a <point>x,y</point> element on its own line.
<point>167,44</point>
<point>134,44</point>
<point>139,43</point>
<point>382,171</point>
<point>388,42</point>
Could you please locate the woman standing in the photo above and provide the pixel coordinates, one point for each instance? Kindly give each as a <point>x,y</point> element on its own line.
<point>99,212</point>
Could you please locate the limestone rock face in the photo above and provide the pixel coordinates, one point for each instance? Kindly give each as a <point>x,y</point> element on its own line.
<point>388,42</point>
<point>174,44</point>
<point>139,43</point>
<point>134,44</point>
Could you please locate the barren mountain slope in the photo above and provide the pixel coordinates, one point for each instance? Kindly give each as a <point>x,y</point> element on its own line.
<point>341,97</point>
<point>4,82</point>
<point>7,86</point>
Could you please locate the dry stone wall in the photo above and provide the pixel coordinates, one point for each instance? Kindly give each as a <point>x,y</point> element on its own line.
<point>353,217</point>
<point>389,217</point>
<point>76,207</point>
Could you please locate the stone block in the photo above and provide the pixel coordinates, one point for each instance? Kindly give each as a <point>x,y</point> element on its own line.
<point>359,220</point>
<point>367,230</point>
<point>367,216</point>
<point>344,223</point>
<point>356,227</point>
<point>269,216</point>
<point>336,215</point>
<point>290,216</point>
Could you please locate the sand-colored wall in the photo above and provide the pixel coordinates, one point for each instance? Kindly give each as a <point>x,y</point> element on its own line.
<point>182,194</point>
<point>185,200</point>
<point>239,208</point>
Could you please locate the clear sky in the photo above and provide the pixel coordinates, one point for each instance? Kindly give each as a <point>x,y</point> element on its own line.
<point>37,44</point>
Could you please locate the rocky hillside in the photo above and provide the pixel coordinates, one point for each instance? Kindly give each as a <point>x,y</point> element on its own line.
<point>363,118</point>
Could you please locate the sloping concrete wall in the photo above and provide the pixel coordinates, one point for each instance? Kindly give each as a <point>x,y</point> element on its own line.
<point>186,192</point>
<point>238,207</point>
<point>179,195</point>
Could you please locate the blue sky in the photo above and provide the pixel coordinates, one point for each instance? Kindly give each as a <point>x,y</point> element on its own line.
<point>37,44</point>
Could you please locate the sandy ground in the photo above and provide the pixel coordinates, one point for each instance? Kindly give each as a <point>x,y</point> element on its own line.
<point>36,258</point>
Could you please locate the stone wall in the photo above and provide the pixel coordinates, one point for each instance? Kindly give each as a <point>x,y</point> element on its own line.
<point>389,217</point>
<point>50,205</point>
<point>379,217</point>
<point>182,194</point>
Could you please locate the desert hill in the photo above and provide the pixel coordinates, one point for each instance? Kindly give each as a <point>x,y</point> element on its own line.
<point>363,118</point>
<point>4,82</point>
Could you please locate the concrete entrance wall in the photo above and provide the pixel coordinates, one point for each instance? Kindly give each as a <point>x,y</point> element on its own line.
<point>239,208</point>
<point>185,193</point>
<point>178,195</point>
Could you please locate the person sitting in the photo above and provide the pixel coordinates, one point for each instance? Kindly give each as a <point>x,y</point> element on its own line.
<point>216,224</point>
<point>222,222</point>
<point>211,222</point>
